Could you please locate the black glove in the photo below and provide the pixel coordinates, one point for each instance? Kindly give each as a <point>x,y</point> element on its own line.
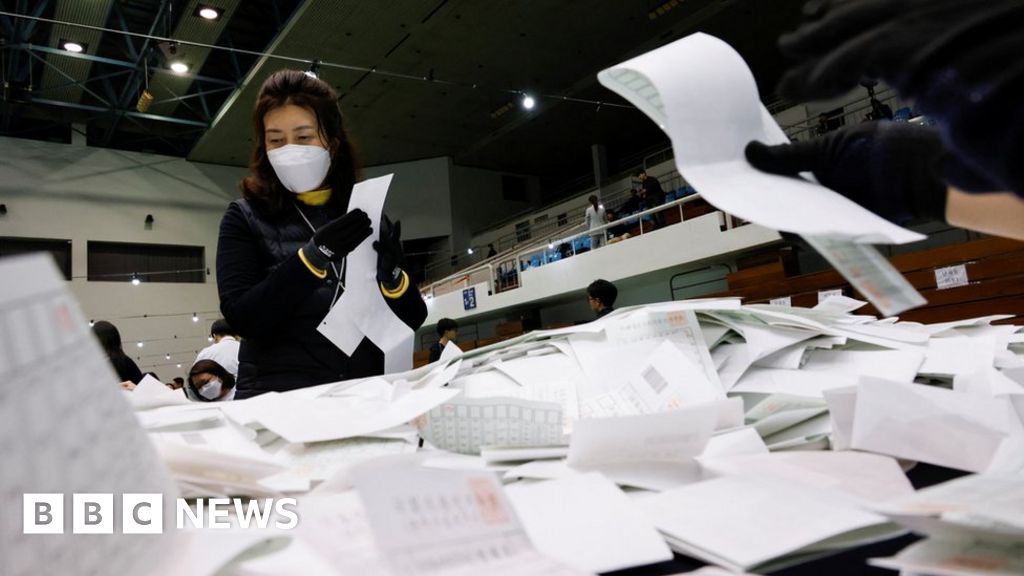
<point>334,240</point>
<point>892,169</point>
<point>959,60</point>
<point>389,253</point>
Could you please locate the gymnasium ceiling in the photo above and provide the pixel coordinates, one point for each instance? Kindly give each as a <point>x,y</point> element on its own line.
<point>447,72</point>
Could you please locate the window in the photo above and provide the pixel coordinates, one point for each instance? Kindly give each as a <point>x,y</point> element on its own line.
<point>122,261</point>
<point>563,219</point>
<point>523,231</point>
<point>59,249</point>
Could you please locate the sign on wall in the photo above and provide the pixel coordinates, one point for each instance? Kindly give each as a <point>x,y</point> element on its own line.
<point>469,298</point>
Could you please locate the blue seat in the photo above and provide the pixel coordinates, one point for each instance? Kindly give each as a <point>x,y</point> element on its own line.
<point>902,115</point>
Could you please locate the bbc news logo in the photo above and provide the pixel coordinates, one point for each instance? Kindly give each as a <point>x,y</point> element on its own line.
<point>144,513</point>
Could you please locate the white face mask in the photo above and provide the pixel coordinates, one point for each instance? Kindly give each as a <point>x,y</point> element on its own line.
<point>211,390</point>
<point>300,168</point>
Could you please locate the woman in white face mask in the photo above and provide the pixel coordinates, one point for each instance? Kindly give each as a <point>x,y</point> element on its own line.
<point>208,381</point>
<point>282,246</point>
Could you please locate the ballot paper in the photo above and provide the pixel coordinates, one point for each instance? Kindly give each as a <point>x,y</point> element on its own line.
<point>151,393</point>
<point>952,557</point>
<point>465,425</point>
<point>746,524</point>
<point>335,418</point>
<point>336,527</point>
<point>317,461</point>
<point>447,522</point>
<point>842,404</point>
<point>980,500</point>
<point>66,424</point>
<point>597,528</point>
<point>361,310</point>
<point>929,424</point>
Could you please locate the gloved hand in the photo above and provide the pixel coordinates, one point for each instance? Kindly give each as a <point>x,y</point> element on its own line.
<point>892,169</point>
<point>959,60</point>
<point>334,240</point>
<point>389,253</point>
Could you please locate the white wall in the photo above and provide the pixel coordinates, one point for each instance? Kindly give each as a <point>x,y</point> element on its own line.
<point>420,196</point>
<point>80,193</point>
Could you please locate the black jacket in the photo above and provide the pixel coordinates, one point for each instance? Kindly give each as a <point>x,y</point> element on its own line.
<point>275,303</point>
<point>126,368</point>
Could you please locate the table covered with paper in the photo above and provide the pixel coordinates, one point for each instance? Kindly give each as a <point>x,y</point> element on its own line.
<point>751,438</point>
<point>748,438</point>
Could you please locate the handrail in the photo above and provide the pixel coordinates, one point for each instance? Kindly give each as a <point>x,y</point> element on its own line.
<point>429,289</point>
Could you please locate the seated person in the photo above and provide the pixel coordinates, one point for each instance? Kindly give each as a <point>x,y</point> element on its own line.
<point>448,330</point>
<point>224,349</point>
<point>615,233</point>
<point>208,381</point>
<point>632,204</point>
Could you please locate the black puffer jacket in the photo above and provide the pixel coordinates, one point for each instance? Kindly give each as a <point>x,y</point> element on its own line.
<point>275,303</point>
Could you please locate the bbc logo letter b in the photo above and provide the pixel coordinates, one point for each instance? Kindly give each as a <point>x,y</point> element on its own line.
<point>43,513</point>
<point>92,514</point>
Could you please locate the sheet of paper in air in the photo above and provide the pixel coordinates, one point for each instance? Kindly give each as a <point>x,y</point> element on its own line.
<point>929,424</point>
<point>446,522</point>
<point>587,522</point>
<point>466,425</point>
<point>870,273</point>
<point>66,428</point>
<point>362,310</point>
<point>701,92</point>
<point>332,418</point>
<point>746,524</point>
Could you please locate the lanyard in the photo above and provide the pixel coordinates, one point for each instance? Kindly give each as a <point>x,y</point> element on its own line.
<point>337,272</point>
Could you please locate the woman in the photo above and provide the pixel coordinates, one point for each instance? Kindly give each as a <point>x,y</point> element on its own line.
<point>208,381</point>
<point>110,340</point>
<point>282,246</point>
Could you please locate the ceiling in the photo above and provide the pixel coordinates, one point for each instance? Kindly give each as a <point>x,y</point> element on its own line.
<point>468,60</point>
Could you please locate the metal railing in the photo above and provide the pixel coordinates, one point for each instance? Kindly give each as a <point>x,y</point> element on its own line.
<point>543,252</point>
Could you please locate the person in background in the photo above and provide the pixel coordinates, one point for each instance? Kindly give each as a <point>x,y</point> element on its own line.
<point>602,294</point>
<point>618,232</point>
<point>651,196</point>
<point>224,349</point>
<point>632,204</point>
<point>208,381</point>
<point>448,331</point>
<point>594,218</point>
<point>949,57</point>
<point>491,252</point>
<point>177,383</point>
<point>282,246</point>
<point>110,340</point>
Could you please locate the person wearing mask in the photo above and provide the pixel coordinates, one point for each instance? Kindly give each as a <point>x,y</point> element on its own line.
<point>601,295</point>
<point>594,218</point>
<point>208,381</point>
<point>282,246</point>
<point>950,57</point>
<point>224,350</point>
<point>110,340</point>
<point>447,331</point>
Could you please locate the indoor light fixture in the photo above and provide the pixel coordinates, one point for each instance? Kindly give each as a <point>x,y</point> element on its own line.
<point>528,101</point>
<point>179,365</point>
<point>195,317</point>
<point>92,323</point>
<point>208,12</point>
<point>168,356</point>
<point>135,280</point>
<point>179,67</point>
<point>314,69</point>
<point>469,251</point>
<point>72,46</point>
<point>139,344</point>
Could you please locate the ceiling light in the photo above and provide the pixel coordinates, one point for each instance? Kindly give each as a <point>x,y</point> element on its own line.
<point>168,356</point>
<point>551,245</point>
<point>208,12</point>
<point>139,344</point>
<point>195,317</point>
<point>469,251</point>
<point>92,323</point>
<point>72,46</point>
<point>314,69</point>
<point>528,101</point>
<point>135,280</point>
<point>179,365</point>
<point>179,67</point>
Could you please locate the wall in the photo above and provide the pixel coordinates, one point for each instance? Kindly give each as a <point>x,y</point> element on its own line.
<point>419,196</point>
<point>80,193</point>
<point>477,202</point>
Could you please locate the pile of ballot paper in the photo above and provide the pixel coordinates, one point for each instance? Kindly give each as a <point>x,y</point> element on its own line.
<point>748,437</point>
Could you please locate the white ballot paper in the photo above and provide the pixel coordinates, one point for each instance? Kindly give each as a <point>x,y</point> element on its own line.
<point>587,522</point>
<point>951,557</point>
<point>152,393</point>
<point>446,522</point>
<point>66,428</point>
<point>361,310</point>
<point>702,94</point>
<point>929,424</point>
<point>746,524</point>
<point>465,425</point>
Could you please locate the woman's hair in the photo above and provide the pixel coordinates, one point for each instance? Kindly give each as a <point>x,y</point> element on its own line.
<point>109,337</point>
<point>209,367</point>
<point>262,188</point>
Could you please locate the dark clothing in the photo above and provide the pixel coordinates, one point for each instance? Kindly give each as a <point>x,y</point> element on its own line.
<point>435,351</point>
<point>631,205</point>
<point>269,296</point>
<point>126,369</point>
<point>655,195</point>
<point>605,312</point>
